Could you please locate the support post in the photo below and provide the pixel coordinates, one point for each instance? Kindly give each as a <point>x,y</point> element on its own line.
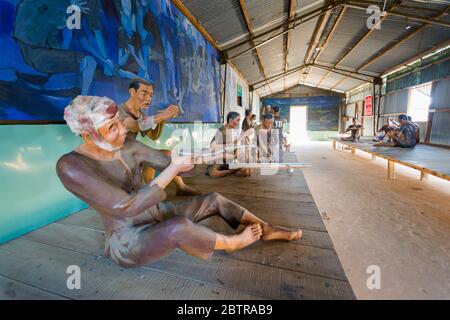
<point>334,144</point>
<point>423,176</point>
<point>391,169</point>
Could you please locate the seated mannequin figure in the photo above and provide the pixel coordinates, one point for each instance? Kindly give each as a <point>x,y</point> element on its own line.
<point>404,137</point>
<point>267,140</point>
<point>226,137</point>
<point>355,130</point>
<point>135,120</point>
<point>106,171</point>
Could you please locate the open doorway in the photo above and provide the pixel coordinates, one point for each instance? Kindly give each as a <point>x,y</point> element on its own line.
<point>419,102</point>
<point>297,125</point>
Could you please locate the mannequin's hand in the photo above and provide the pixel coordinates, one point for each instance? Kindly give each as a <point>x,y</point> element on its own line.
<point>184,163</point>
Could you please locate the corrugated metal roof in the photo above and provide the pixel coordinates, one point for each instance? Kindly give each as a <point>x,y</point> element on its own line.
<point>300,39</point>
<point>391,28</point>
<point>272,56</point>
<point>349,84</point>
<point>224,21</point>
<point>267,12</point>
<point>430,37</point>
<point>351,28</point>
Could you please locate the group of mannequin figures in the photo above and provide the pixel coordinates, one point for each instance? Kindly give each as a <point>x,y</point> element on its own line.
<point>115,174</point>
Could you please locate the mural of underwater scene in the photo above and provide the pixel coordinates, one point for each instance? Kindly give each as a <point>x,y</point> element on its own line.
<point>323,111</point>
<point>44,64</point>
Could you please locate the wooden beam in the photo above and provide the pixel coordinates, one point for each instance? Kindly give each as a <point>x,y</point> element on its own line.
<point>196,23</point>
<point>365,37</point>
<point>238,72</point>
<point>248,24</point>
<point>333,29</point>
<point>402,39</point>
<point>280,75</point>
<point>288,39</point>
<point>355,87</point>
<point>316,35</point>
<point>361,40</point>
<point>344,72</point>
<point>295,22</point>
<point>314,41</point>
<point>323,78</point>
<point>339,82</point>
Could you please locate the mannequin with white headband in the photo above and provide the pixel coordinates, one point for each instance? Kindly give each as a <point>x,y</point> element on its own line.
<point>139,227</point>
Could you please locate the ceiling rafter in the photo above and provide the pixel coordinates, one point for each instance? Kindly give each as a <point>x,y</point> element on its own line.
<point>362,39</point>
<point>403,39</point>
<point>333,29</point>
<point>314,42</point>
<point>257,55</point>
<point>288,38</point>
<point>398,42</point>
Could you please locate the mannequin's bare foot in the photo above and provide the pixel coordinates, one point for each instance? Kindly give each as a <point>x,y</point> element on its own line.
<point>272,232</point>
<point>243,173</point>
<point>187,191</point>
<point>249,235</point>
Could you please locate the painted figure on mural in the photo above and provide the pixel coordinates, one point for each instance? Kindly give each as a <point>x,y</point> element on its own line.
<point>118,40</point>
<point>105,171</point>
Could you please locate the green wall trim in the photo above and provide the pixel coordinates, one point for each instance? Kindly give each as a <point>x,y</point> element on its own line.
<point>32,195</point>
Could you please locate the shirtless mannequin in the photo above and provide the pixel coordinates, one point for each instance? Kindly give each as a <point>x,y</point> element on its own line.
<point>135,121</point>
<point>105,171</point>
<point>224,138</point>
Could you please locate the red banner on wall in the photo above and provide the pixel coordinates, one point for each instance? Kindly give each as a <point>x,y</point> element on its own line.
<point>368,112</point>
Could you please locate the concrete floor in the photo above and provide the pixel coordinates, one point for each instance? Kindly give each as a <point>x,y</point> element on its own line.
<point>402,225</point>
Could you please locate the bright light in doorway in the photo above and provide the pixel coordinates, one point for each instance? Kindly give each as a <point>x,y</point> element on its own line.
<point>419,102</point>
<point>297,125</point>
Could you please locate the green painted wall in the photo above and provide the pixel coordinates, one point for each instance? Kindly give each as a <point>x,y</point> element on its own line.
<point>31,194</point>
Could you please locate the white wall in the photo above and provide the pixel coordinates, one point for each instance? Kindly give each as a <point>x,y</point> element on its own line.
<point>232,81</point>
<point>256,105</point>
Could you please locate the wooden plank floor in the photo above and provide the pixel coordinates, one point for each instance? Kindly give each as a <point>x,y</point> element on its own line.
<point>34,266</point>
<point>434,160</point>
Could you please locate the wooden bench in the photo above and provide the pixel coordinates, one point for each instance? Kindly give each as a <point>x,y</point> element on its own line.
<point>34,266</point>
<point>425,158</point>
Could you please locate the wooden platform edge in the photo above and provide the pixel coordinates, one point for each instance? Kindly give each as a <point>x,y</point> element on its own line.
<point>391,173</point>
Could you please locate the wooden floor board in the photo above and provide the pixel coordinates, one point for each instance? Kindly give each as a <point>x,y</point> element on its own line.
<point>309,268</point>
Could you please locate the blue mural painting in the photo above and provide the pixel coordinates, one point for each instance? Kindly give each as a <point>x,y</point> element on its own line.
<point>323,111</point>
<point>44,64</point>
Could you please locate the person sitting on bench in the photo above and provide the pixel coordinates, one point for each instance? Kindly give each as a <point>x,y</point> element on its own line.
<point>267,140</point>
<point>134,119</point>
<point>253,119</point>
<point>355,131</point>
<point>404,137</point>
<point>390,125</point>
<point>105,171</point>
<point>416,129</point>
<point>227,136</point>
